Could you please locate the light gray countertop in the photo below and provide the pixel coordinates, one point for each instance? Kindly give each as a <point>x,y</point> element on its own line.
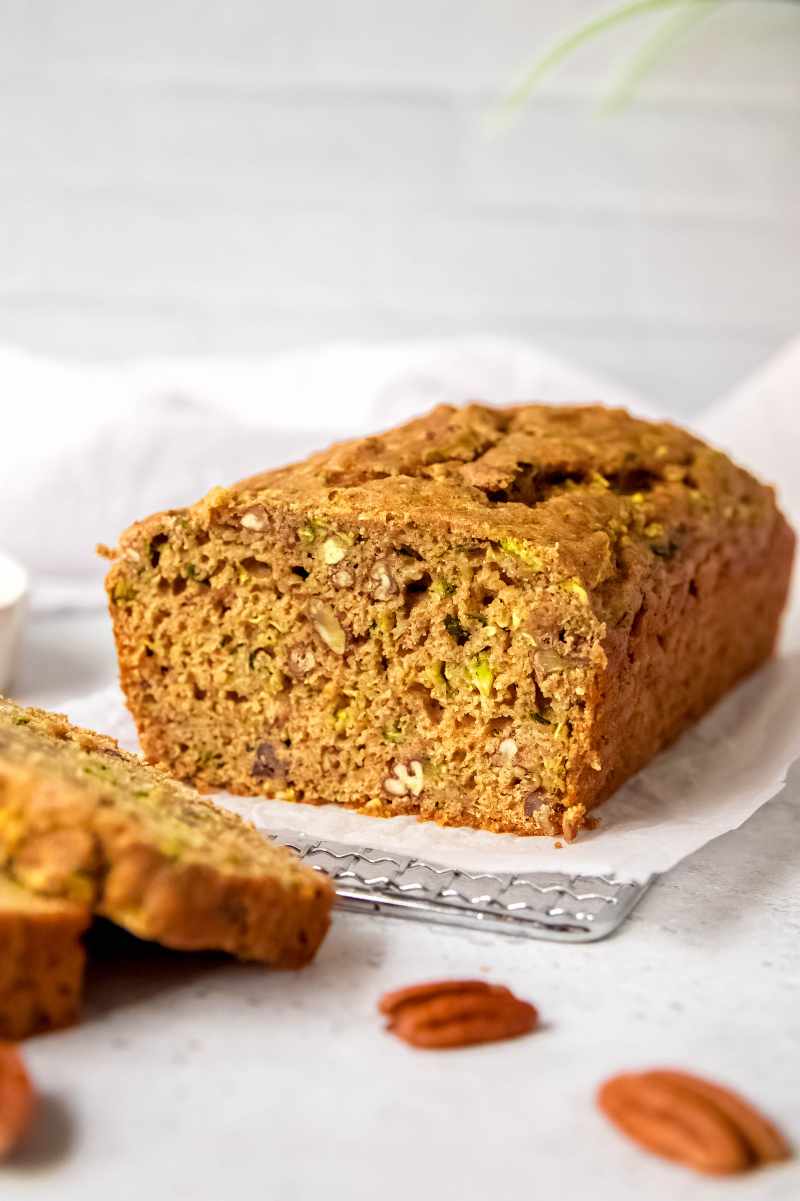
<point>191,1078</point>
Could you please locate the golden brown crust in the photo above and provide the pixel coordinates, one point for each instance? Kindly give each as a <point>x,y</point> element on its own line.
<point>574,477</point>
<point>82,819</point>
<point>712,622</point>
<point>41,961</point>
<point>488,617</point>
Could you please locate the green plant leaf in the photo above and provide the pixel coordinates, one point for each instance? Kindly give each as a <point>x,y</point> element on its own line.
<point>570,42</point>
<point>655,50</point>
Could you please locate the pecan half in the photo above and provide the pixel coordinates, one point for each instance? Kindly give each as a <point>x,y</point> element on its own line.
<point>17,1099</point>
<point>456,1013</point>
<point>690,1120</point>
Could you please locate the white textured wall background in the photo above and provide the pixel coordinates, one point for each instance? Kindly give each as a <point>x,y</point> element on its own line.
<point>196,177</point>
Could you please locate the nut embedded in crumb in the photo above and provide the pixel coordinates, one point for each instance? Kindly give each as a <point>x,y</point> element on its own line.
<point>327,626</point>
<point>547,821</point>
<point>507,749</point>
<point>267,765</point>
<point>343,578</point>
<point>333,551</point>
<point>534,801</point>
<point>383,583</point>
<point>254,518</point>
<point>300,660</point>
<point>406,779</point>
<point>257,568</point>
<point>546,662</point>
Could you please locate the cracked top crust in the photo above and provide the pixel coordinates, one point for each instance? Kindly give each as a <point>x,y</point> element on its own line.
<point>607,491</point>
<point>587,492</point>
<point>509,467</point>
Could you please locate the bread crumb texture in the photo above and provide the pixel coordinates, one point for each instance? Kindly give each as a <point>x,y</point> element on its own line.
<point>487,617</point>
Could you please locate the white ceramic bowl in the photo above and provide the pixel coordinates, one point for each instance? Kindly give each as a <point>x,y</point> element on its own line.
<point>13,594</point>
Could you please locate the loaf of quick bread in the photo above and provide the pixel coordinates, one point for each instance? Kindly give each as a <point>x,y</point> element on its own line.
<point>487,617</point>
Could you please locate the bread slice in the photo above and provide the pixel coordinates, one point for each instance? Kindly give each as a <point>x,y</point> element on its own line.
<point>487,617</point>
<point>82,820</point>
<point>41,961</point>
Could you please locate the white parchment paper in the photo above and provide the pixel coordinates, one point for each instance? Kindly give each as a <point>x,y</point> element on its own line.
<point>710,782</point>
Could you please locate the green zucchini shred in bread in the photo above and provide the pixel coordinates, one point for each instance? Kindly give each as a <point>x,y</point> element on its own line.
<point>487,617</point>
<point>84,821</point>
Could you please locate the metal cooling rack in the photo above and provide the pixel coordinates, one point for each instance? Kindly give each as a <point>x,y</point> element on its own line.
<point>536,905</point>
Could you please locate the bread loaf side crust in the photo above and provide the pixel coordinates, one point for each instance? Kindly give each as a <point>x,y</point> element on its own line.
<point>713,622</point>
